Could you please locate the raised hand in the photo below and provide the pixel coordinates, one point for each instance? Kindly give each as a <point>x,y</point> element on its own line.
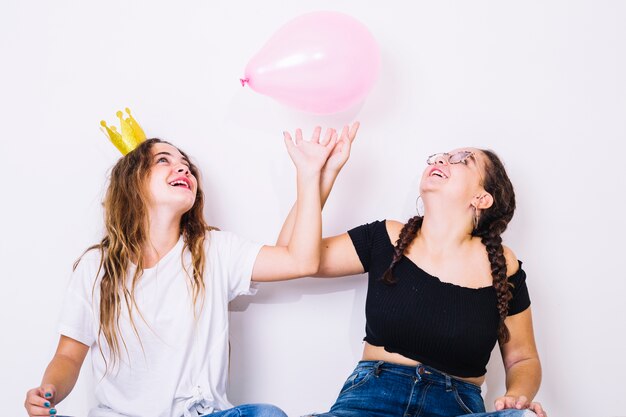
<point>311,155</point>
<point>40,401</point>
<point>341,152</point>
<point>338,153</point>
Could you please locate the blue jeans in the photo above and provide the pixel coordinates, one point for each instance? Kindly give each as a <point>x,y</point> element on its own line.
<point>382,389</point>
<point>250,410</point>
<point>247,410</point>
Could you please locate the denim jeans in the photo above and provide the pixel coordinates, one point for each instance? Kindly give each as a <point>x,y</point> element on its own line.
<point>250,410</point>
<point>382,389</point>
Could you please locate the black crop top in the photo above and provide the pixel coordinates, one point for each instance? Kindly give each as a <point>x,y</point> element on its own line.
<point>439,324</point>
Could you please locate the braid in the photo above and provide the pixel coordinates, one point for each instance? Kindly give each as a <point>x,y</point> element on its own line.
<point>493,242</point>
<point>407,234</point>
<point>491,224</point>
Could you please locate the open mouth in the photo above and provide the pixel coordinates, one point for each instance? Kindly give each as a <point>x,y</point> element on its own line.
<point>437,173</point>
<point>181,183</point>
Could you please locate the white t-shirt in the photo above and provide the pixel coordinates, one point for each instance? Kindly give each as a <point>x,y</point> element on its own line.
<point>180,366</point>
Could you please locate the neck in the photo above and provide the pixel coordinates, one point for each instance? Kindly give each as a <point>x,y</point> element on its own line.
<point>445,227</point>
<point>164,232</point>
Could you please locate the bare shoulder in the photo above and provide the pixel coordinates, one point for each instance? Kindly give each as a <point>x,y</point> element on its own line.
<point>393,229</point>
<point>512,264</point>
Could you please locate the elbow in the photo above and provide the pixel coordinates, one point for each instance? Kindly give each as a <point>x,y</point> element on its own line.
<point>309,268</point>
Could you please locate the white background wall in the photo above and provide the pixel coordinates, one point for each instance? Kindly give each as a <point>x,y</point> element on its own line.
<point>541,82</point>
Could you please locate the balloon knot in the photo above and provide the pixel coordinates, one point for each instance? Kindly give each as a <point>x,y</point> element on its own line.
<point>244,81</point>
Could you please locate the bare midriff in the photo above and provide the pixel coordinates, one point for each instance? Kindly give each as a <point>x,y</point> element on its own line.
<point>378,353</point>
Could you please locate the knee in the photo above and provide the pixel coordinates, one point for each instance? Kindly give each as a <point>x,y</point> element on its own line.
<point>267,410</point>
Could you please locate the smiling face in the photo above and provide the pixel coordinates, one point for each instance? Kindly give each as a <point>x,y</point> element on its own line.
<point>170,181</point>
<point>457,175</point>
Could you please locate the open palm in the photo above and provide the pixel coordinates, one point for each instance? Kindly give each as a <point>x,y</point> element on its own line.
<point>310,155</point>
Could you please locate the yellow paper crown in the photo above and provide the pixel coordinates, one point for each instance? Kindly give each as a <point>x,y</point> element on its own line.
<point>132,134</point>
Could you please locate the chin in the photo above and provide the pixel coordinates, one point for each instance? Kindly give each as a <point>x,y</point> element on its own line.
<point>184,206</point>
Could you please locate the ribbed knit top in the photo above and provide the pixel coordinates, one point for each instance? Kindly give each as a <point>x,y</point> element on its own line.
<point>443,325</point>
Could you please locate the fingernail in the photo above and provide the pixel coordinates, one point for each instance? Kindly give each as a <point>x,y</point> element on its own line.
<point>46,404</point>
<point>48,394</point>
<point>53,411</point>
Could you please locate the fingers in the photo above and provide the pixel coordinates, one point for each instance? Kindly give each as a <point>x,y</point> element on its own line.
<point>509,402</point>
<point>522,402</point>
<point>333,143</point>
<point>328,137</point>
<point>348,132</point>
<point>353,129</point>
<point>504,402</point>
<point>519,403</point>
<point>499,404</point>
<point>315,138</point>
<point>344,133</point>
<point>298,136</point>
<point>48,391</point>
<point>39,401</point>
<point>538,409</point>
<point>288,141</point>
<point>346,140</point>
<point>41,411</point>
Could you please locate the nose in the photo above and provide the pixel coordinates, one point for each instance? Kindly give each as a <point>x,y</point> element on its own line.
<point>183,169</point>
<point>441,159</point>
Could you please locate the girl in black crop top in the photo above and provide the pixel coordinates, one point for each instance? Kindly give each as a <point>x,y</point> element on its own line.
<point>442,291</point>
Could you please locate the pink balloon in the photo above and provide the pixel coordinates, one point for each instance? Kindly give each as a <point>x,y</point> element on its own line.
<point>320,62</point>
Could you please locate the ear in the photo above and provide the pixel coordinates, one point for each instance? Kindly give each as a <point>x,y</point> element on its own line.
<point>484,201</point>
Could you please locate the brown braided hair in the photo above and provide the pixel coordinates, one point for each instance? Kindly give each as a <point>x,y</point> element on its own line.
<point>491,224</point>
<point>407,234</point>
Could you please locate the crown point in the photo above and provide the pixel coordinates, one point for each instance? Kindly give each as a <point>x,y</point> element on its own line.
<point>131,134</point>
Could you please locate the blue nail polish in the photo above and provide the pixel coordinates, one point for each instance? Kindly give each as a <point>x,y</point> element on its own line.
<point>48,394</point>
<point>53,411</point>
<point>46,404</point>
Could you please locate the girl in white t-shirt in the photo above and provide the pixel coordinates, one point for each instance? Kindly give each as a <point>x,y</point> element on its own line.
<point>150,301</point>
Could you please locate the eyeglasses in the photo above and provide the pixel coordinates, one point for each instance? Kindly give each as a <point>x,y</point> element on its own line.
<point>450,158</point>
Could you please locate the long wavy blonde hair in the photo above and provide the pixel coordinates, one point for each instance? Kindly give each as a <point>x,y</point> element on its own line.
<point>126,224</point>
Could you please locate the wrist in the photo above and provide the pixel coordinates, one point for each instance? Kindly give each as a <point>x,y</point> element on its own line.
<point>329,176</point>
<point>308,174</point>
<point>330,172</point>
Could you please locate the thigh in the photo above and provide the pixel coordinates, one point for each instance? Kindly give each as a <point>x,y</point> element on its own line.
<point>250,410</point>
<point>446,398</point>
<point>370,392</point>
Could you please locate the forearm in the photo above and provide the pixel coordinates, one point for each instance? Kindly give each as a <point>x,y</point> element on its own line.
<point>327,180</point>
<point>524,378</point>
<point>304,244</point>
<point>62,372</point>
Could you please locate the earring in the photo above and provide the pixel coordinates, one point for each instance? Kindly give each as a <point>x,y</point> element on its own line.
<point>419,206</point>
<point>475,219</point>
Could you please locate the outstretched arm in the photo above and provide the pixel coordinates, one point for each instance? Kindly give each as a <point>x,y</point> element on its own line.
<point>330,171</point>
<point>299,256</point>
<point>59,378</point>
<point>337,254</point>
